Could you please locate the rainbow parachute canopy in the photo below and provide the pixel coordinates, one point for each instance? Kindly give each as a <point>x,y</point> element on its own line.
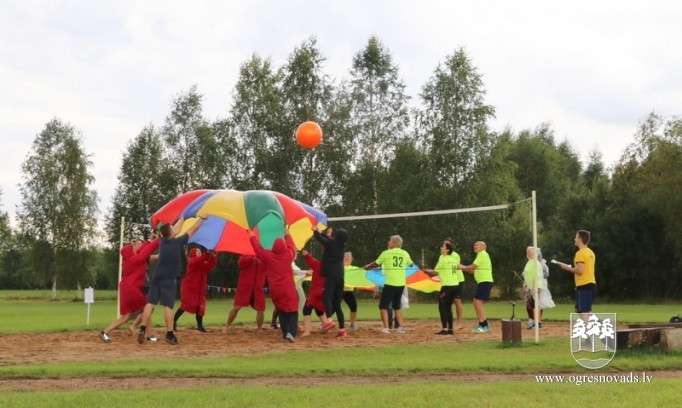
<point>230,213</point>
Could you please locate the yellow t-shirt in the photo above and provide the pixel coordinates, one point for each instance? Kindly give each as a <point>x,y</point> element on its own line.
<point>446,266</point>
<point>459,273</point>
<point>585,256</point>
<point>484,268</point>
<point>532,271</point>
<point>394,263</point>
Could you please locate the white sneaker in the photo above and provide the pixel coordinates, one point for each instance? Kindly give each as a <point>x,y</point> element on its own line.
<point>105,337</point>
<point>400,330</point>
<point>386,330</point>
<point>531,324</point>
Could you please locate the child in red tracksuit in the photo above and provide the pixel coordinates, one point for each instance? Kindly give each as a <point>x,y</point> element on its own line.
<point>132,299</point>
<point>193,287</point>
<point>250,290</point>
<point>280,276</point>
<point>315,295</point>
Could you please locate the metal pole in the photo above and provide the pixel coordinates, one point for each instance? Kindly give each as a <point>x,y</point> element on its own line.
<point>536,311</point>
<point>120,268</point>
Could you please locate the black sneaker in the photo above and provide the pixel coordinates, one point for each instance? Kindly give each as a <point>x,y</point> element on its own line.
<point>141,337</point>
<point>201,329</point>
<point>105,337</point>
<point>171,339</point>
<point>442,332</point>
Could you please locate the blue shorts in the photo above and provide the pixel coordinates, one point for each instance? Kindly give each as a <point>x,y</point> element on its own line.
<point>163,292</point>
<point>483,290</point>
<point>584,296</point>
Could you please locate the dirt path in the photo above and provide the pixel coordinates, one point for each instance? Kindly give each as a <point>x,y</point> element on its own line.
<point>29,349</point>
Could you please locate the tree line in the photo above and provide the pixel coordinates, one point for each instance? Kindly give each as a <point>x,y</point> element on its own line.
<point>382,154</point>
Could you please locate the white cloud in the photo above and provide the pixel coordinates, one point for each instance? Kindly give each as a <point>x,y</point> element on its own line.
<point>591,69</point>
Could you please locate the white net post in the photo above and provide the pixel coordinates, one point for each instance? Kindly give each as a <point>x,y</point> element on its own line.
<point>536,309</point>
<point>120,268</point>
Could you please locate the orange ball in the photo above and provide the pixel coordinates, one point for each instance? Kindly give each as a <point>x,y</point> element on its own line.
<point>309,135</point>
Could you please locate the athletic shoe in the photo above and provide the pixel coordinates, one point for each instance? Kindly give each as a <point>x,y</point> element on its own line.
<point>540,325</point>
<point>105,337</point>
<point>443,332</point>
<point>152,338</point>
<point>352,327</point>
<point>327,326</point>
<point>290,338</point>
<point>341,334</point>
<point>140,337</point>
<point>481,329</point>
<point>274,326</point>
<point>386,330</point>
<point>201,329</point>
<point>400,330</point>
<point>171,339</point>
<point>531,324</point>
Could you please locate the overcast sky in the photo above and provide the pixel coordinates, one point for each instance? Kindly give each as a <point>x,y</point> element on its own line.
<point>592,69</point>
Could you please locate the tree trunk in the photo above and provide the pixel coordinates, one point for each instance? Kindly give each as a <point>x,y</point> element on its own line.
<point>54,288</point>
<point>79,291</point>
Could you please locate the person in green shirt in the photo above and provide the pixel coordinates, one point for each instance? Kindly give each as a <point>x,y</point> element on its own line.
<point>482,270</point>
<point>459,289</point>
<point>445,269</point>
<point>349,292</point>
<point>394,262</point>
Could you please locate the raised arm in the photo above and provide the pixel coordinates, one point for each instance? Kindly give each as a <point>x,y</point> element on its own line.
<point>197,224</point>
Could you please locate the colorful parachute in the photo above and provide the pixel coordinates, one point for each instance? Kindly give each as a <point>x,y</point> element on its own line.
<point>356,277</point>
<point>230,213</point>
<point>416,279</point>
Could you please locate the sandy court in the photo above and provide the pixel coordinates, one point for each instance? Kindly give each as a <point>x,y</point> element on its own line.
<point>28,349</point>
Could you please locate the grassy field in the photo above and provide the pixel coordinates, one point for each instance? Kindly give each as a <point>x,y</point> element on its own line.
<point>34,312</point>
<point>482,373</point>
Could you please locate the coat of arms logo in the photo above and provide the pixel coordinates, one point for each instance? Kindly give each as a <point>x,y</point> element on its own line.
<point>593,339</point>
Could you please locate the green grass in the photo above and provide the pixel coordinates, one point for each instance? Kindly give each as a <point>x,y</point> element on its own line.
<point>414,394</point>
<point>30,312</point>
<point>418,369</point>
<point>548,356</point>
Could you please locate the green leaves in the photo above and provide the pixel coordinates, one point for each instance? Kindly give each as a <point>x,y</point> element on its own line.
<point>59,207</point>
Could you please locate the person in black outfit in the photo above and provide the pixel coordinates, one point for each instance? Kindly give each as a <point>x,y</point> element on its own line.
<point>334,243</point>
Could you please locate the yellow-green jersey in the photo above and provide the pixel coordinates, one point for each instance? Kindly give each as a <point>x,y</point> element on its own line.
<point>394,263</point>
<point>585,256</point>
<point>446,267</point>
<point>484,268</point>
<point>533,267</point>
<point>459,273</point>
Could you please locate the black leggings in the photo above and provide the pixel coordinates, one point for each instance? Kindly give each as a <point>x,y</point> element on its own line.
<point>308,310</point>
<point>445,298</point>
<point>349,298</point>
<point>288,322</point>
<point>333,294</point>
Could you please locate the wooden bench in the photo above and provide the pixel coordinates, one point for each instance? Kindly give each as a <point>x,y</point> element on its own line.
<point>642,334</point>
